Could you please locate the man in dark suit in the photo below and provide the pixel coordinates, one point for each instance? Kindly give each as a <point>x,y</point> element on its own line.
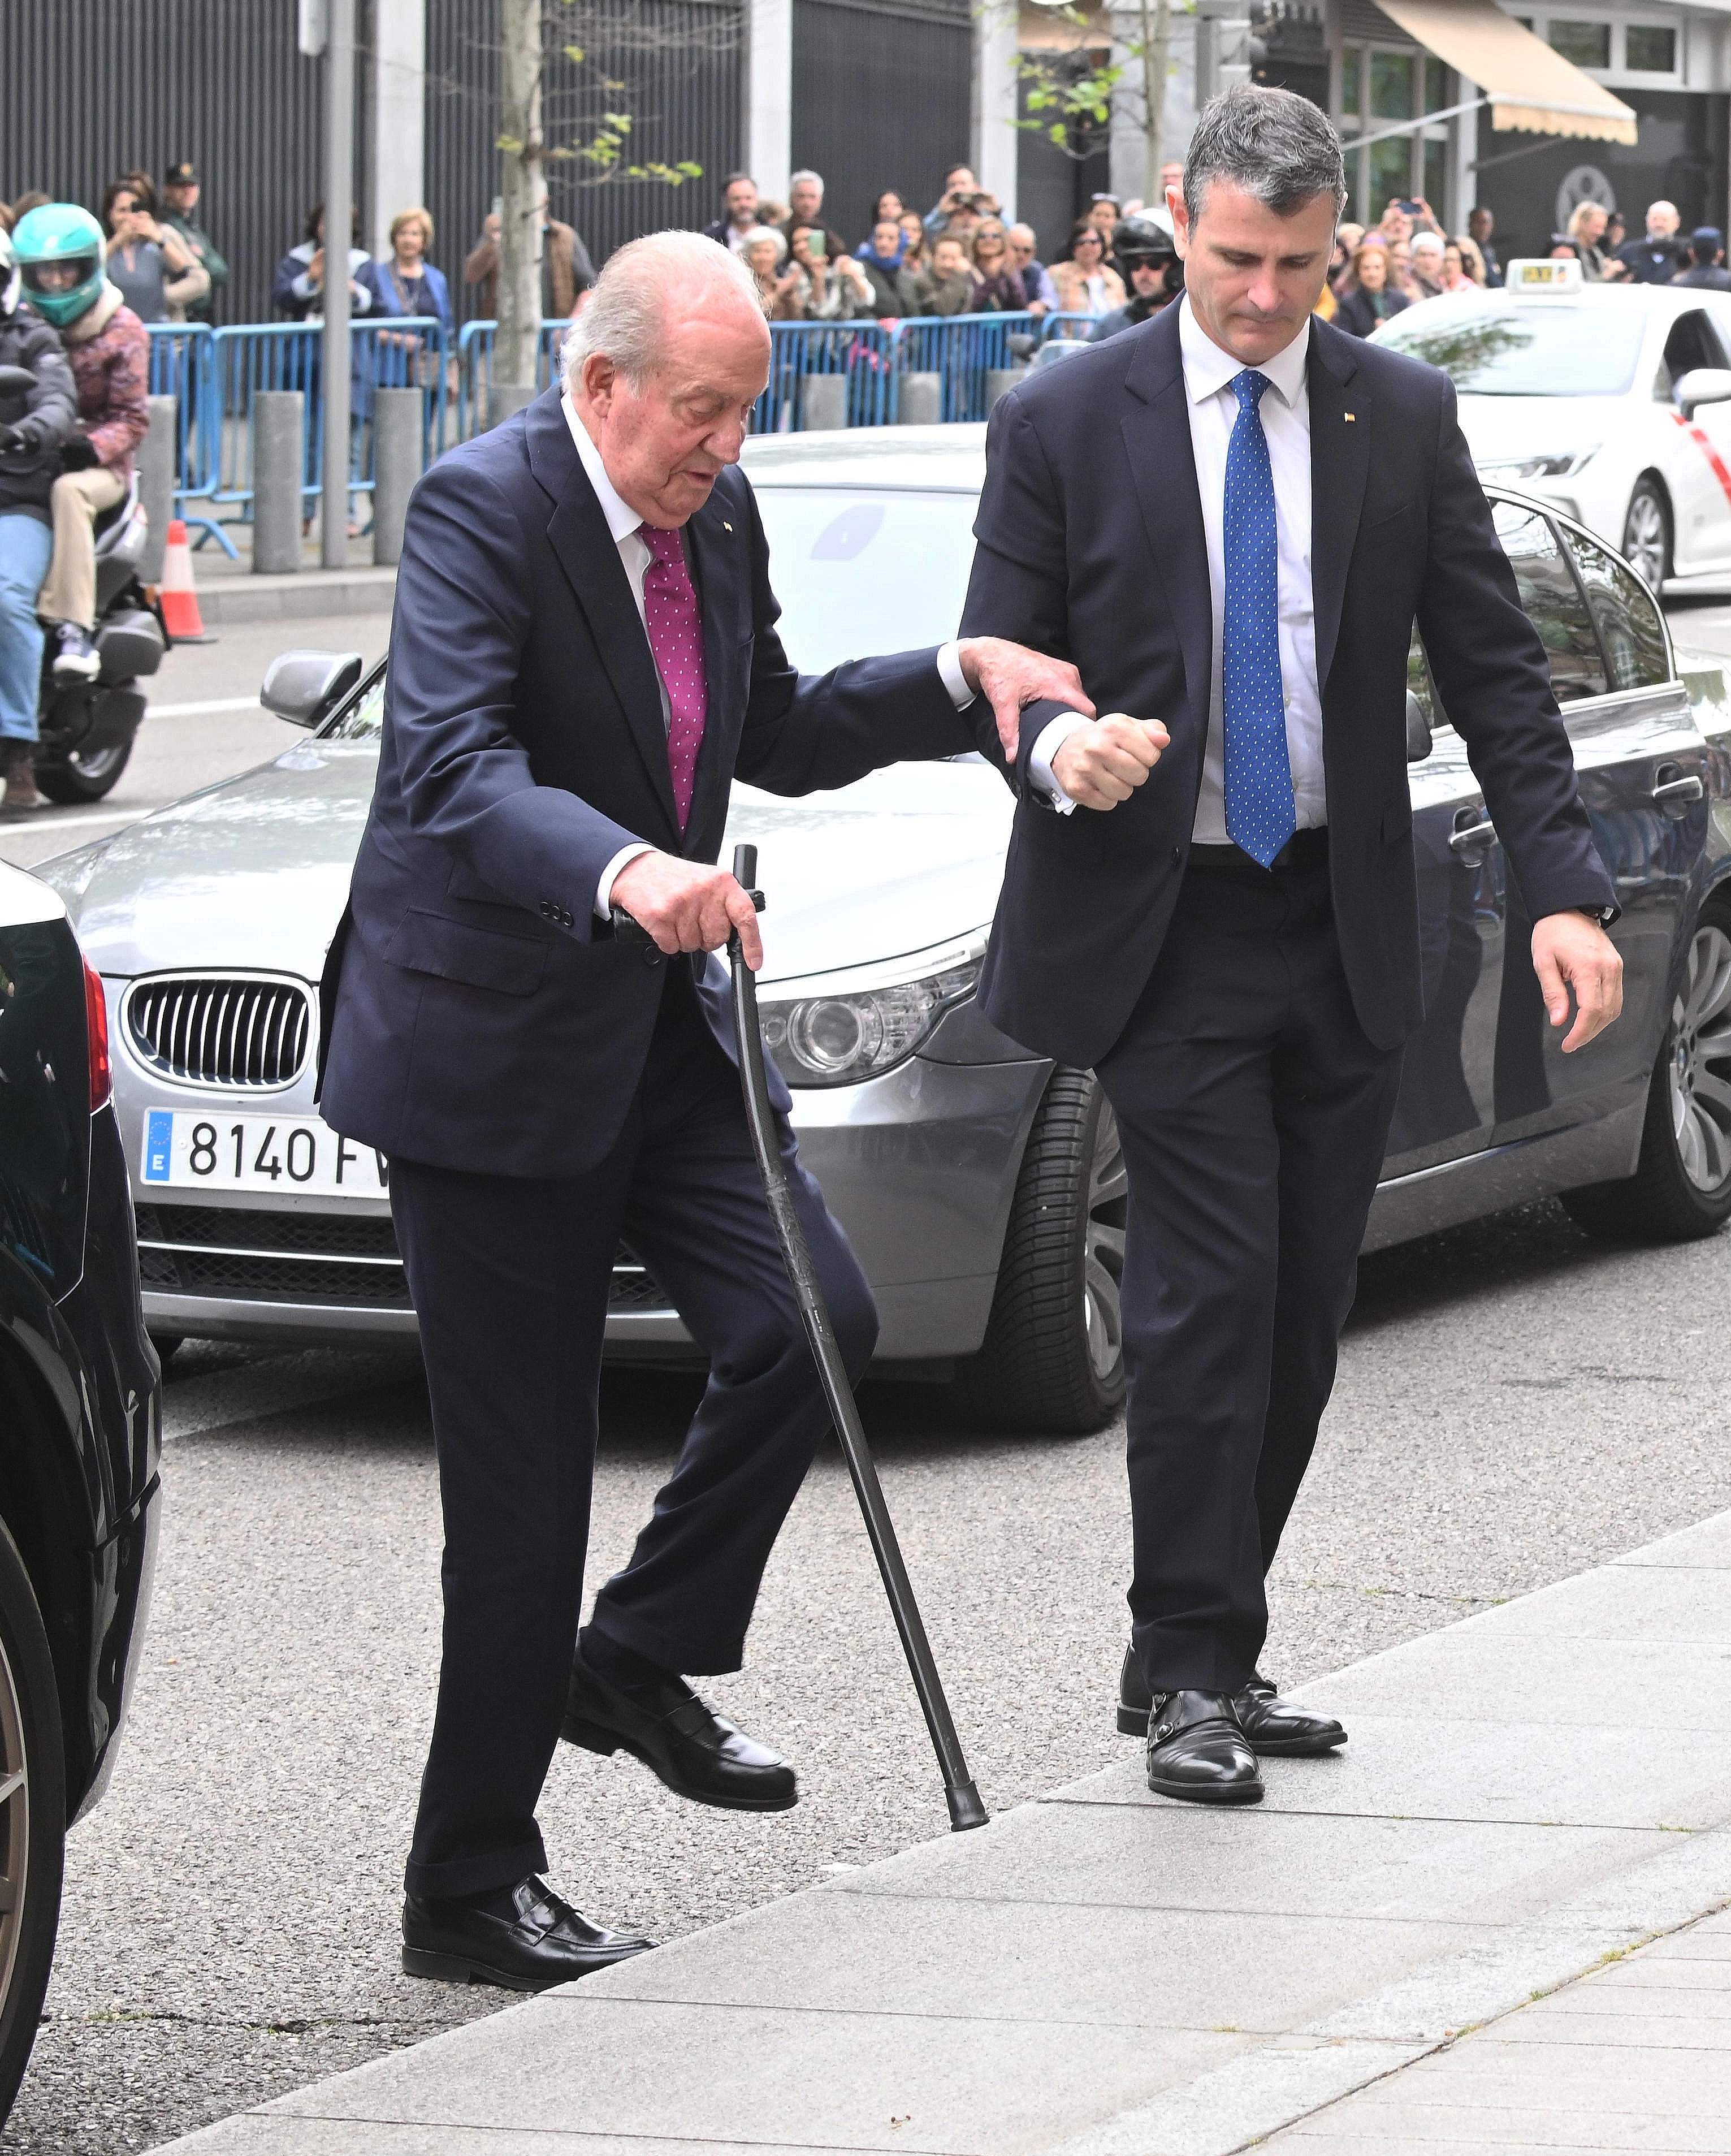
<point>584,655</point>
<point>1229,519</point>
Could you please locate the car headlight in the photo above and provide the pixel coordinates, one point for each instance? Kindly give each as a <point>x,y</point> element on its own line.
<point>1547,467</point>
<point>839,1028</point>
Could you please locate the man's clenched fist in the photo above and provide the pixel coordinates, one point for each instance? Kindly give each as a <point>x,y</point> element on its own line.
<point>1100,765</point>
<point>688,906</point>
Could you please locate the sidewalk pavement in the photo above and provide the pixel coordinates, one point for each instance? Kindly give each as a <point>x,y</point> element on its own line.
<point>1529,1797</point>
<point>229,592</point>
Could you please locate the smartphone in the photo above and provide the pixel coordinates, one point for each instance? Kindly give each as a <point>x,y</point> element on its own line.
<point>498,208</point>
<point>1412,208</point>
<point>817,246</point>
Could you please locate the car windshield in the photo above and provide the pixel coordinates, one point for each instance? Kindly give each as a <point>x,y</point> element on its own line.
<point>856,572</point>
<point>1528,348</point>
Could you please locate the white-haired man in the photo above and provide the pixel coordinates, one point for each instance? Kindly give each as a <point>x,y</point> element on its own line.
<point>584,655</point>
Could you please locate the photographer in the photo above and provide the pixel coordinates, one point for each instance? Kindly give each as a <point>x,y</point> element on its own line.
<point>33,425</point>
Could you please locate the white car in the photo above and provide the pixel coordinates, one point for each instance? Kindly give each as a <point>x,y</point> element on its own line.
<point>1608,401</point>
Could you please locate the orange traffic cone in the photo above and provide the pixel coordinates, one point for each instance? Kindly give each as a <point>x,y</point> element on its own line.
<point>179,595</point>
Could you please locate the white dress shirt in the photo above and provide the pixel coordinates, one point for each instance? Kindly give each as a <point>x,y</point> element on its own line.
<point>625,525</point>
<point>1285,413</point>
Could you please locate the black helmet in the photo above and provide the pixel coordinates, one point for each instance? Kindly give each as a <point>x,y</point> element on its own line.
<point>1140,240</point>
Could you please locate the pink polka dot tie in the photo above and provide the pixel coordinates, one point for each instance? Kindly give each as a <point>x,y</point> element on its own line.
<point>676,638</point>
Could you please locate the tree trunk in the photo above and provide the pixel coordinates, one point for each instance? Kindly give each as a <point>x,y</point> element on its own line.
<point>1156,60</point>
<point>523,190</point>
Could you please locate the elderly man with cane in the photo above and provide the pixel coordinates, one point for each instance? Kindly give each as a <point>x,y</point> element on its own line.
<point>584,655</point>
<point>1231,517</point>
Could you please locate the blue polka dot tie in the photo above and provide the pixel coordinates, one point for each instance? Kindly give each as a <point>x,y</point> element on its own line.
<point>1259,777</point>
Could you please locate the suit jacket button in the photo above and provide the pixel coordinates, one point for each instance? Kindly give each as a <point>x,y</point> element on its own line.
<point>546,909</point>
<point>652,957</point>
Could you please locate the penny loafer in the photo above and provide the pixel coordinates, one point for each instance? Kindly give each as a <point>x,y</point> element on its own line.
<point>696,1753</point>
<point>1278,1728</point>
<point>1198,1752</point>
<point>522,1938</point>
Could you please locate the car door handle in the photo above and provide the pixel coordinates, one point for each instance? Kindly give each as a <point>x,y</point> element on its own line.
<point>1468,835</point>
<point>1679,790</point>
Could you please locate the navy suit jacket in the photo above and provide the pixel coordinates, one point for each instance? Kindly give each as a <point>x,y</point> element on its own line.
<point>1091,547</point>
<point>476,1013</point>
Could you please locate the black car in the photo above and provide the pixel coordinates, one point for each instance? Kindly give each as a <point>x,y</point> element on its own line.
<point>80,1434</point>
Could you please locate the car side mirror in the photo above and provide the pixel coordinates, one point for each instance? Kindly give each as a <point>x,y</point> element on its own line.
<point>304,687</point>
<point>1418,730</point>
<point>1703,385</point>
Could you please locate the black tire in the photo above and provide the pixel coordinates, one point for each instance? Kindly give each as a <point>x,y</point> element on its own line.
<point>1052,1359</point>
<point>1682,1188</point>
<point>33,1817</point>
<point>1648,531</point>
<point>78,777</point>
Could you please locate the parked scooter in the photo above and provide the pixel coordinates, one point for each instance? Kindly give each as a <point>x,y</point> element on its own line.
<point>87,728</point>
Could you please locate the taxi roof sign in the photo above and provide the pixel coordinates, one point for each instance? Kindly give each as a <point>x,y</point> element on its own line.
<point>1536,274</point>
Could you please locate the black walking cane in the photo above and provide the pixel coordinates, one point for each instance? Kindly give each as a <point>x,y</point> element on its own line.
<point>959,1793</point>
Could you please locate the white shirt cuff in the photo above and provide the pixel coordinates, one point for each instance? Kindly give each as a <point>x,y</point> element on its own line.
<point>1053,737</point>
<point>609,875</point>
<point>954,680</point>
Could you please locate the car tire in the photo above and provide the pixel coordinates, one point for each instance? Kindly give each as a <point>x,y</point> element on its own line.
<point>1647,533</point>
<point>1052,1359</point>
<point>1682,1188</point>
<point>33,1817</point>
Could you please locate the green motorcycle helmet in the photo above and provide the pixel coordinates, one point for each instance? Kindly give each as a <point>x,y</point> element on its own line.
<point>61,257</point>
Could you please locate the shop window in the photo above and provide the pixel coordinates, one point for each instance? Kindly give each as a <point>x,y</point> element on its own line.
<point>1392,86</point>
<point>1588,44</point>
<point>1391,174</point>
<point>1649,48</point>
<point>1436,173</point>
<point>1351,67</point>
<point>1435,96</point>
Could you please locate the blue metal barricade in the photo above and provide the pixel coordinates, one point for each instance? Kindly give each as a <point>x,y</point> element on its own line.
<point>474,369</point>
<point>183,365</point>
<point>863,351</point>
<point>1070,327</point>
<point>961,349</point>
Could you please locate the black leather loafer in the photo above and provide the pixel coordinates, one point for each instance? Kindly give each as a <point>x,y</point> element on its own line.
<point>522,1938</point>
<point>1196,1752</point>
<point>696,1753</point>
<point>1278,1728</point>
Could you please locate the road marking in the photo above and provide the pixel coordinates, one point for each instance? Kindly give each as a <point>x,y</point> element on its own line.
<point>75,823</point>
<point>204,709</point>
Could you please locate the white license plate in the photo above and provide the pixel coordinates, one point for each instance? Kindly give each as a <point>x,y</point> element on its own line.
<point>194,1151</point>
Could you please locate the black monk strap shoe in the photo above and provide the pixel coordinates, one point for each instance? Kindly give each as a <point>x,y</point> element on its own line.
<point>1197,1751</point>
<point>1278,1728</point>
<point>696,1752</point>
<point>523,1938</point>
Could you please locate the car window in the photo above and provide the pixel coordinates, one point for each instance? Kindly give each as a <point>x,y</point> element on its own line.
<point>1629,625</point>
<point>862,570</point>
<point>1418,680</point>
<point>1553,601</point>
<point>1523,348</point>
<point>1693,341</point>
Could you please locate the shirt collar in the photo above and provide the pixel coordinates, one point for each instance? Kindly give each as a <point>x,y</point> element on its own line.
<point>1207,369</point>
<point>622,519</point>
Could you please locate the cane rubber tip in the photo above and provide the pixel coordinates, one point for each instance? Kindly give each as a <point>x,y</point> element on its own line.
<point>966,1808</point>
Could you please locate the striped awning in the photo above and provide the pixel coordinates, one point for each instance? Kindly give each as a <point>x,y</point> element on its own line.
<point>1529,87</point>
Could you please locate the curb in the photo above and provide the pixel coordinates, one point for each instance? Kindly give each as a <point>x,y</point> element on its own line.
<point>300,597</point>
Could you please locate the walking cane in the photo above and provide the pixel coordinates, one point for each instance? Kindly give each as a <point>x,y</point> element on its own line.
<point>960,1794</point>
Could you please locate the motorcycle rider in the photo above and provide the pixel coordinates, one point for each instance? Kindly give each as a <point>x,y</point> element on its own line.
<point>60,255</point>
<point>33,424</point>
<point>1152,270</point>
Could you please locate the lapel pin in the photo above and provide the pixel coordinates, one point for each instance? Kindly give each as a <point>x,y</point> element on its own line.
<point>1348,417</point>
<point>726,526</point>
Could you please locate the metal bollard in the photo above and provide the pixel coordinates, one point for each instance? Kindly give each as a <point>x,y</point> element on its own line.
<point>396,453</point>
<point>1000,380</point>
<point>278,476</point>
<point>922,400</point>
<point>823,402</point>
<point>155,483</point>
<point>509,397</point>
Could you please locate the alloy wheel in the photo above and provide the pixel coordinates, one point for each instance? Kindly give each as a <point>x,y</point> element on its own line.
<point>1102,1271</point>
<point>1700,1068</point>
<point>1644,538</point>
<point>14,1822</point>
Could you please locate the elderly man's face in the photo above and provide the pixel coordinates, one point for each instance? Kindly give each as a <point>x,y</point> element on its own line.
<point>806,197</point>
<point>1661,220</point>
<point>665,441</point>
<point>1022,244</point>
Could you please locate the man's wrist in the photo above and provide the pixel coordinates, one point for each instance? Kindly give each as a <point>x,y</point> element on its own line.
<point>954,674</point>
<point>1051,739</point>
<point>611,874</point>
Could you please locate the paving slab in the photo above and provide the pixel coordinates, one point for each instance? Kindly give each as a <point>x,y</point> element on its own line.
<point>1105,1973</point>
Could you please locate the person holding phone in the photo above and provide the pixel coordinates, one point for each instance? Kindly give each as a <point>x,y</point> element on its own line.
<point>829,291</point>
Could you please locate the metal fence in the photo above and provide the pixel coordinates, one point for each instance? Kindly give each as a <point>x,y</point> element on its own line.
<point>215,374</point>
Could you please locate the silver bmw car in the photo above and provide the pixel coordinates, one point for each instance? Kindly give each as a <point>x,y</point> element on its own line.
<point>983,1188</point>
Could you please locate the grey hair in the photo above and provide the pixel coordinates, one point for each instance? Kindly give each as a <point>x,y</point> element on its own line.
<point>1275,144</point>
<point>626,314</point>
<point>804,172</point>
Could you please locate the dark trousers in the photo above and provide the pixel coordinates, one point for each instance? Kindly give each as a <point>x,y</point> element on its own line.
<point>509,1278</point>
<point>1254,1113</point>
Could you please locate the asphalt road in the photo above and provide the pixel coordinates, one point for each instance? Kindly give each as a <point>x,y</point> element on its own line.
<point>1515,1404</point>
